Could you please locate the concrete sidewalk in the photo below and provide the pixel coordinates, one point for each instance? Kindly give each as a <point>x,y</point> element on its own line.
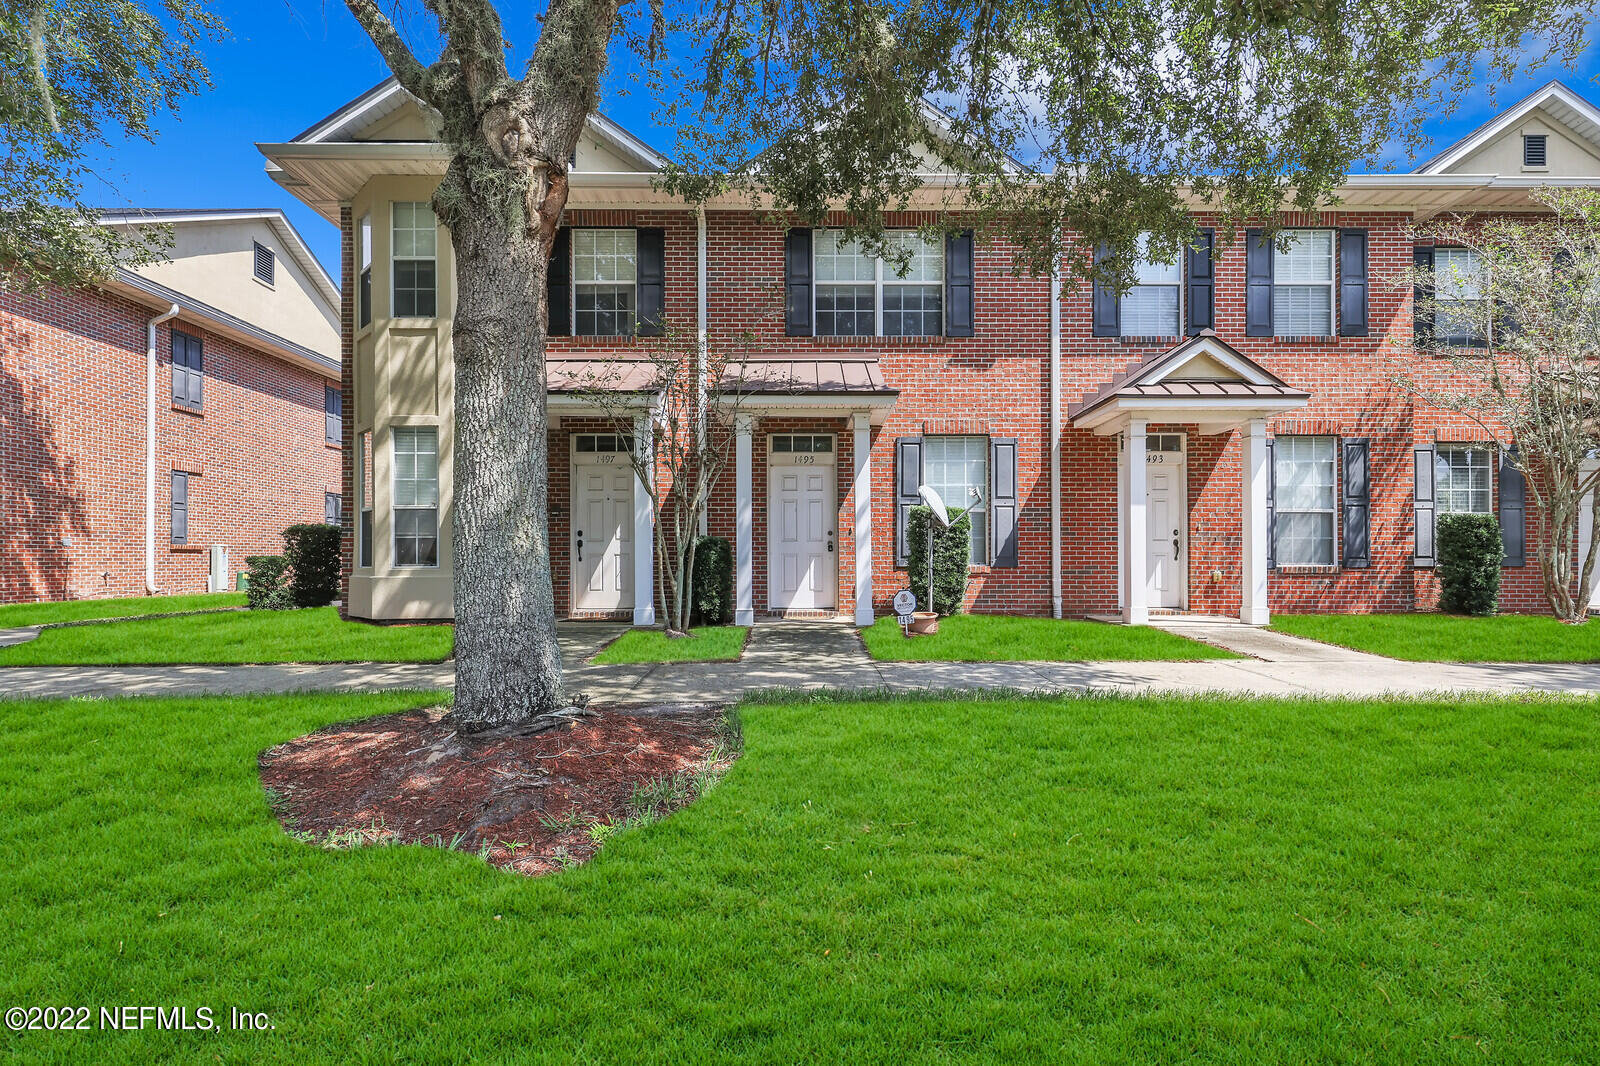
<point>815,655</point>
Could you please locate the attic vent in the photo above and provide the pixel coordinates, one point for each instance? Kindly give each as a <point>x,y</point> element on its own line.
<point>266,265</point>
<point>1533,149</point>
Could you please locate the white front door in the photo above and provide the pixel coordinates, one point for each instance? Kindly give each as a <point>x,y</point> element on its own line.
<point>602,525</point>
<point>802,556</point>
<point>1166,521</point>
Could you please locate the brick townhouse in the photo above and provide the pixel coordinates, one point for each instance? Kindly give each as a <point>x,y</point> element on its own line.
<point>1227,438</point>
<point>184,404</point>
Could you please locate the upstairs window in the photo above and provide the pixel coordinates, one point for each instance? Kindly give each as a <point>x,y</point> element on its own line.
<point>188,359</point>
<point>957,468</point>
<point>1304,502</point>
<point>1150,308</point>
<point>266,264</point>
<point>1534,149</point>
<point>605,276</point>
<point>364,283</point>
<point>860,295</point>
<point>1458,297</point>
<point>415,249</point>
<point>1302,297</point>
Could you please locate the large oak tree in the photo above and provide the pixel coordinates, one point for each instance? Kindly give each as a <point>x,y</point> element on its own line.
<point>1100,119</point>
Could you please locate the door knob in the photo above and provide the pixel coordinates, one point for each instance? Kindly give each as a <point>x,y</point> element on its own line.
<point>830,545</point>
<point>1174,543</point>
<point>580,545</point>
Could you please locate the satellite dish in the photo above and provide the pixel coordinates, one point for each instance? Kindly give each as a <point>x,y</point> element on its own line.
<point>935,504</point>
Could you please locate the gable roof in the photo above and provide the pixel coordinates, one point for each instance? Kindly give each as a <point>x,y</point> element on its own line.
<point>1555,99</point>
<point>274,219</point>
<point>1203,371</point>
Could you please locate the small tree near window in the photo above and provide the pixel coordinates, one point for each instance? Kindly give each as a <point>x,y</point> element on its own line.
<point>1536,386</point>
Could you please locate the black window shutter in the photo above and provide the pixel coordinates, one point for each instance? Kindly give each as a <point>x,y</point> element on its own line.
<point>1272,508</point>
<point>1357,504</point>
<point>180,368</point>
<point>332,508</point>
<point>333,410</point>
<point>958,275</point>
<point>1202,282</point>
<point>1422,319</point>
<point>196,373</point>
<point>652,281</point>
<point>1353,283</point>
<point>559,285</point>
<point>180,507</point>
<point>1107,309</point>
<point>1513,513</point>
<point>1257,284</point>
<point>1423,509</point>
<point>907,479</point>
<point>797,283</point>
<point>1003,503</point>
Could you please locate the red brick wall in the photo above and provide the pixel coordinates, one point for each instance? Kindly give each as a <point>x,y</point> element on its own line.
<point>72,386</point>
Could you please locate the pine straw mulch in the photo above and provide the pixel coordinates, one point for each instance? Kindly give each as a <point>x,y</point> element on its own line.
<point>530,802</point>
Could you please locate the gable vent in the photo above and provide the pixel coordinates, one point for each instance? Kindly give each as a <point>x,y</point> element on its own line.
<point>266,264</point>
<point>1533,149</point>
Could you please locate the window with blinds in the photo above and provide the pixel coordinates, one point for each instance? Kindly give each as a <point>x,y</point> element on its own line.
<point>957,468</point>
<point>1150,308</point>
<point>1302,297</point>
<point>1304,503</point>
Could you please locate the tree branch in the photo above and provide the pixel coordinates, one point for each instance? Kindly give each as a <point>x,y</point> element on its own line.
<point>410,72</point>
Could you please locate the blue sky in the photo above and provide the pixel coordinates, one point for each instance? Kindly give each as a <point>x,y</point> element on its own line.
<point>287,63</point>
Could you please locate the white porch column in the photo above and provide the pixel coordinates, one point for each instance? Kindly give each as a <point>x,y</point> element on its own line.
<point>744,581</point>
<point>1253,522</point>
<point>1136,575</point>
<point>644,536</point>
<point>863,497</point>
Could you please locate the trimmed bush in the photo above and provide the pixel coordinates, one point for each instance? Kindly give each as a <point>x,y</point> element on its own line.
<point>312,552</point>
<point>269,588</point>
<point>1470,551</point>
<point>713,582</point>
<point>952,557</point>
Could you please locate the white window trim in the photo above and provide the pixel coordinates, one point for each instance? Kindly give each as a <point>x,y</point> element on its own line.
<point>1441,304</point>
<point>1332,283</point>
<point>363,451</point>
<point>573,283</point>
<point>1489,456</point>
<point>878,285</point>
<point>394,278</point>
<point>395,508</point>
<point>987,541</point>
<point>1182,285</point>
<point>1335,461</point>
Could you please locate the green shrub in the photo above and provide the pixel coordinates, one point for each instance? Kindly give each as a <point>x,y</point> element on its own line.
<point>269,590</point>
<point>713,582</point>
<point>952,556</point>
<point>1469,563</point>
<point>312,551</point>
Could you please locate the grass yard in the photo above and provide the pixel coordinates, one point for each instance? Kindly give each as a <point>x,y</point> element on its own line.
<point>709,644</point>
<point>999,638</point>
<point>36,614</point>
<point>1068,880</point>
<point>313,635</point>
<point>1505,638</point>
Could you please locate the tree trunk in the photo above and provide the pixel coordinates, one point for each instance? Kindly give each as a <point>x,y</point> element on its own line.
<point>508,664</point>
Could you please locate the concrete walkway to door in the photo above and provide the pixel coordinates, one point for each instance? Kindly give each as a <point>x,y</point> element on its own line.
<point>829,655</point>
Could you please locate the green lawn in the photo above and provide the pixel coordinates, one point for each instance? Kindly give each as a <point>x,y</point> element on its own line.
<point>314,635</point>
<point>1071,880</point>
<point>35,614</point>
<point>1505,638</point>
<point>999,638</point>
<point>712,643</point>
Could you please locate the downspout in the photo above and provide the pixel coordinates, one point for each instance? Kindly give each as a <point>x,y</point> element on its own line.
<point>1055,440</point>
<point>700,327</point>
<point>150,447</point>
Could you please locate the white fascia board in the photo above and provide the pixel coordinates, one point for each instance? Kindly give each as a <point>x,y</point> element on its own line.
<point>1113,416</point>
<point>1216,350</point>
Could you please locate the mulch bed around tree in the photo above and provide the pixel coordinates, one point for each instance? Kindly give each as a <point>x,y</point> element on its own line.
<point>526,800</point>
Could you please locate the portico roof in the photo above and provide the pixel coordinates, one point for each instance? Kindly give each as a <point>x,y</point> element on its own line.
<point>1204,380</point>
